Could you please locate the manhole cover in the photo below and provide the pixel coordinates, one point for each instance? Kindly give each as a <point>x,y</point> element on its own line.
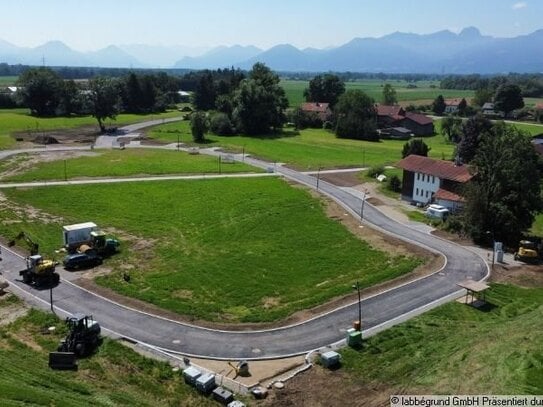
<point>256,350</point>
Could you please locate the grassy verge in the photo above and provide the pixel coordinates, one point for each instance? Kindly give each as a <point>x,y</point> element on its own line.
<point>120,163</point>
<point>231,250</point>
<point>457,349</point>
<point>115,375</point>
<point>19,120</point>
<point>308,149</point>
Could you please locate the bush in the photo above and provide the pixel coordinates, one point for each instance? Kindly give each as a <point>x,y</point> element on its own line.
<point>373,172</point>
<point>328,125</point>
<point>394,184</point>
<point>221,124</point>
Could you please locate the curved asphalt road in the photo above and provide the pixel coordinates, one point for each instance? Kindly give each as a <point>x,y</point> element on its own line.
<point>378,310</point>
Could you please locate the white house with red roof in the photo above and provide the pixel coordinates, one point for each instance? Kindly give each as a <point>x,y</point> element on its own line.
<point>426,181</point>
<point>320,109</point>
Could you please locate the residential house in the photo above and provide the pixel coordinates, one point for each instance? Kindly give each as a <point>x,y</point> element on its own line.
<point>426,181</point>
<point>389,116</point>
<point>451,105</point>
<point>398,133</point>
<point>419,124</point>
<point>321,109</point>
<point>488,109</point>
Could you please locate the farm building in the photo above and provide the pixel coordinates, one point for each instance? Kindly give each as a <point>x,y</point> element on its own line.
<point>419,124</point>
<point>451,105</point>
<point>321,109</point>
<point>396,116</point>
<point>426,181</point>
<point>388,116</point>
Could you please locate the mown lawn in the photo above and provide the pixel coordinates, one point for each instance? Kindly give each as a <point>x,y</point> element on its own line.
<point>423,93</point>
<point>122,163</point>
<point>308,149</point>
<point>19,120</point>
<point>457,349</point>
<point>240,250</point>
<point>8,80</point>
<point>114,376</point>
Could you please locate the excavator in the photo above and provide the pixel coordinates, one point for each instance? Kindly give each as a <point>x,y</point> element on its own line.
<point>39,272</point>
<point>528,252</point>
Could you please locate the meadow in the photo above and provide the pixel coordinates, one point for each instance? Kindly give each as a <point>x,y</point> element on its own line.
<point>231,250</point>
<point>118,163</point>
<point>457,349</point>
<point>425,91</point>
<point>8,80</point>
<point>114,376</point>
<point>19,120</point>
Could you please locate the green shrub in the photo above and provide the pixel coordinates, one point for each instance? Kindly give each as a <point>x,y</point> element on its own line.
<point>373,172</point>
<point>221,124</point>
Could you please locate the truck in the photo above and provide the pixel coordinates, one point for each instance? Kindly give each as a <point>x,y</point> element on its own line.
<point>88,234</point>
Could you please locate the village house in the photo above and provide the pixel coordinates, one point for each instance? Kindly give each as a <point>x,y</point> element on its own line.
<point>427,181</point>
<point>322,110</point>
<point>395,117</point>
<point>451,105</point>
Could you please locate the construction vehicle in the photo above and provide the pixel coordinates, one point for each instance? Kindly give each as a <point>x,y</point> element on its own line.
<point>528,252</point>
<point>39,272</point>
<point>88,234</point>
<point>81,341</point>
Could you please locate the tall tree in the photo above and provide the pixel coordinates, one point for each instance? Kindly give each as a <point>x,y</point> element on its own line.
<point>70,98</point>
<point>105,98</point>
<point>462,107</point>
<point>205,93</point>
<point>40,90</point>
<point>508,98</point>
<point>324,88</point>
<point>505,193</point>
<point>259,103</point>
<point>389,95</point>
<point>438,106</point>
<point>472,131</point>
<point>482,96</point>
<point>132,93</point>
<point>198,126</point>
<point>451,126</point>
<point>415,147</point>
<point>356,116</point>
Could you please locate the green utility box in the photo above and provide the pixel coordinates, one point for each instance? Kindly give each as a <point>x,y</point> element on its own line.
<point>354,339</point>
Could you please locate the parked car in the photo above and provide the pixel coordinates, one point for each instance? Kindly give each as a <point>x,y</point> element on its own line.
<point>81,260</point>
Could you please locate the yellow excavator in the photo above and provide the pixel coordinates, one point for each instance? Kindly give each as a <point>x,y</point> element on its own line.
<point>39,272</point>
<point>528,252</point>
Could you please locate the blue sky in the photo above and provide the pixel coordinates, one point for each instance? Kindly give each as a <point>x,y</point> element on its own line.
<point>88,25</point>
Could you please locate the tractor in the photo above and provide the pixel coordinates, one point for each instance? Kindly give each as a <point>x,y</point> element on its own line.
<point>528,252</point>
<point>84,336</point>
<point>39,272</point>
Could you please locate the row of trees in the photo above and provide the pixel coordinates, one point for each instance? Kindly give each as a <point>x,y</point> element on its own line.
<point>531,85</point>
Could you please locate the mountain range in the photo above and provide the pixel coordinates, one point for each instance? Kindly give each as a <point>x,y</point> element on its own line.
<point>442,52</point>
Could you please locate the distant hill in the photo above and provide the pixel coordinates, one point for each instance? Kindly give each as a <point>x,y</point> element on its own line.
<point>441,52</point>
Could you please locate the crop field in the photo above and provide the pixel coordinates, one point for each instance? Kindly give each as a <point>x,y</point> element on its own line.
<point>457,349</point>
<point>115,375</point>
<point>20,120</point>
<point>8,80</point>
<point>309,149</point>
<point>117,163</point>
<point>227,250</point>
<point>424,91</point>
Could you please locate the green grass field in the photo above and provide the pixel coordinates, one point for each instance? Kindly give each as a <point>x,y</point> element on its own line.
<point>8,80</point>
<point>457,349</point>
<point>310,148</point>
<point>114,376</point>
<point>122,163</point>
<point>230,250</point>
<point>294,90</point>
<point>19,120</point>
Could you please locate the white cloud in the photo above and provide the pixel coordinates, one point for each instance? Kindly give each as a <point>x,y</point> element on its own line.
<point>519,5</point>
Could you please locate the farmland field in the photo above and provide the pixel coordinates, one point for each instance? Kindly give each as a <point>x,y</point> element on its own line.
<point>424,91</point>
<point>20,120</point>
<point>223,250</point>
<point>308,149</point>
<point>8,80</point>
<point>114,376</point>
<point>117,163</point>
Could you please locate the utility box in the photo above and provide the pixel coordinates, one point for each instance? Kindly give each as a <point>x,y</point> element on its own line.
<point>222,395</point>
<point>354,338</point>
<point>330,359</point>
<point>191,374</point>
<point>206,383</point>
<point>76,235</point>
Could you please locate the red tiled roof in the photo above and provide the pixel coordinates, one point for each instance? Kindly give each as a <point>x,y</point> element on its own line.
<point>439,168</point>
<point>392,111</point>
<point>539,106</point>
<point>452,102</point>
<point>445,195</point>
<point>315,107</point>
<point>419,118</point>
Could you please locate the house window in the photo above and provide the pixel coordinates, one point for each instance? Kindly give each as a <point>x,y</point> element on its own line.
<point>426,194</point>
<point>417,192</point>
<point>433,179</point>
<point>418,176</point>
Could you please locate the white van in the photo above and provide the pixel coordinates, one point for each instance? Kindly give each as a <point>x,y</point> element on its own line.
<point>437,211</point>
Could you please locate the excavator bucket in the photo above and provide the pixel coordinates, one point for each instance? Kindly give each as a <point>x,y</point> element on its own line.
<point>62,361</point>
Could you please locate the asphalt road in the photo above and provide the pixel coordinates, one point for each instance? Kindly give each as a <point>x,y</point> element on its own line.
<point>378,311</point>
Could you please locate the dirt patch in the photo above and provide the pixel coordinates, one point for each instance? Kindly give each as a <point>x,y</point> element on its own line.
<point>83,134</point>
<point>461,240</point>
<point>9,313</point>
<point>318,387</point>
<point>527,276</point>
<point>342,179</point>
<point>27,212</point>
<point>183,294</point>
<point>270,302</point>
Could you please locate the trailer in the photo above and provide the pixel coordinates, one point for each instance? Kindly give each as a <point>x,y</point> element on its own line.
<point>77,234</point>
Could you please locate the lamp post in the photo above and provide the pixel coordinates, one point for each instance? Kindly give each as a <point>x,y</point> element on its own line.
<point>318,176</point>
<point>357,288</point>
<point>491,234</point>
<point>362,207</point>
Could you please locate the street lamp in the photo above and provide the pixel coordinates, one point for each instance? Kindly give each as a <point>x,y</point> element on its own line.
<point>357,287</point>
<point>491,234</point>
<point>318,176</point>
<point>362,207</point>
